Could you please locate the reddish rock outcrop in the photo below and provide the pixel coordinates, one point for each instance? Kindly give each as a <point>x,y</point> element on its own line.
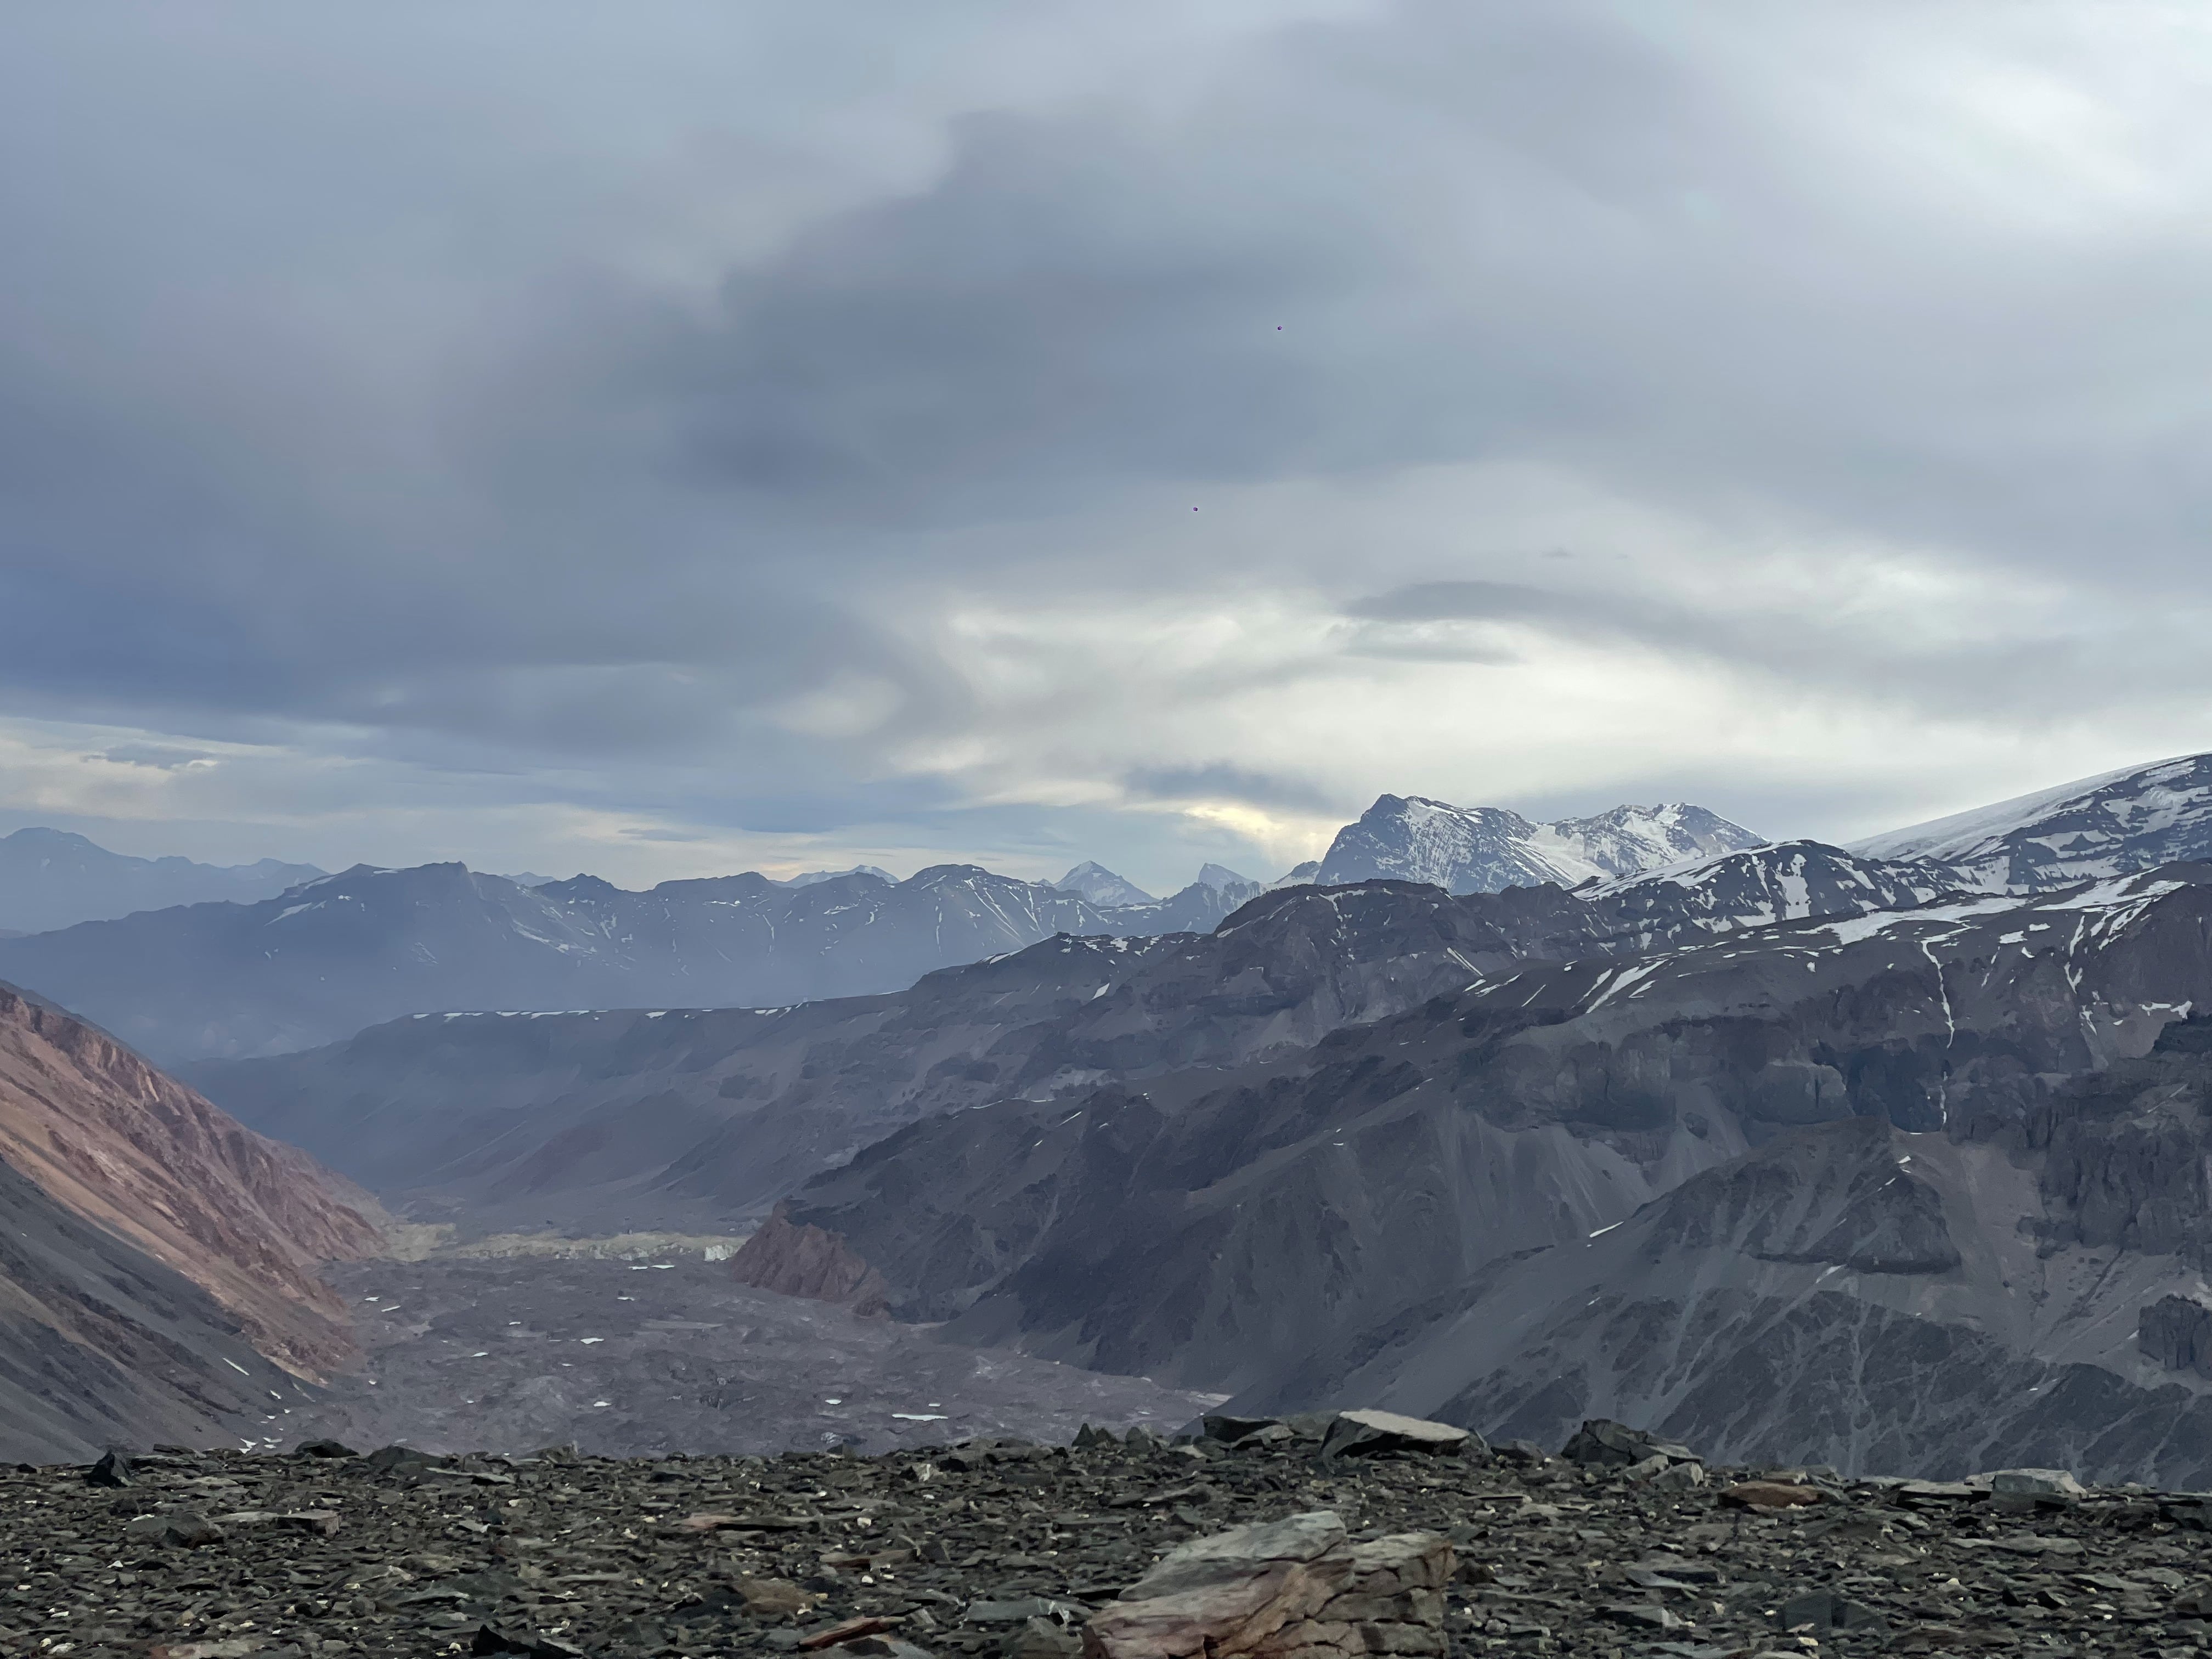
<point>114,1141</point>
<point>794,1260</point>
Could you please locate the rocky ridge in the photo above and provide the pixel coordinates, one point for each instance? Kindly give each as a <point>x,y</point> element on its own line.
<point>117,1143</point>
<point>1500,1206</point>
<point>1624,1545</point>
<point>159,1264</point>
<point>513,1118</point>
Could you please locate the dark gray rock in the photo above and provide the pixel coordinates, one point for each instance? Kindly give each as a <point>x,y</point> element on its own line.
<point>1603,1443</point>
<point>1367,1433</point>
<point>590,1555</point>
<point>113,1470</point>
<point>2177,1335</point>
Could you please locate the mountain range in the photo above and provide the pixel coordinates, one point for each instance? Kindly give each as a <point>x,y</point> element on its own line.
<point>334,954</point>
<point>1883,1190</point>
<point>656,1117</point>
<point>1797,1152</point>
<point>51,878</point>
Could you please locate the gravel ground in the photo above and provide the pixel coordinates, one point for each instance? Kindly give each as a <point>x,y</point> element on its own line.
<point>637,1358</point>
<point>392,1555</point>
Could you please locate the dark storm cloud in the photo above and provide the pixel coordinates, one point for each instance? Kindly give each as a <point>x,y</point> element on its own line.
<point>616,401</point>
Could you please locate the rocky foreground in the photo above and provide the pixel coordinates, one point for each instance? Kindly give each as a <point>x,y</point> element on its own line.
<point>1387,1536</point>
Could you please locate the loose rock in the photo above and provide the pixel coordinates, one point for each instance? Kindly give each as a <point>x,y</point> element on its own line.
<point>2036,1483</point>
<point>1018,1552</point>
<point>1603,1443</point>
<point>1291,1587</point>
<point>1363,1433</point>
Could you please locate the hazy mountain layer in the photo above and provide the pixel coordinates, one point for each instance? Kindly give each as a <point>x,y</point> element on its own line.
<point>335,954</point>
<point>51,878</point>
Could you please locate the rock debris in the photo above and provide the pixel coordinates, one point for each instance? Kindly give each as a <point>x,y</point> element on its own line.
<point>1002,1548</point>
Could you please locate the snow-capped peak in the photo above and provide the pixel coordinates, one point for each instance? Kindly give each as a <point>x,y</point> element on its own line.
<point>2134,819</point>
<point>1096,882</point>
<point>1477,849</point>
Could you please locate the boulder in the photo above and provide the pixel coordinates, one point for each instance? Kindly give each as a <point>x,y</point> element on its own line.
<point>113,1470</point>
<point>2036,1483</point>
<point>1041,1639</point>
<point>1824,1610</point>
<point>1248,1431</point>
<point>1603,1443</point>
<point>773,1598</point>
<point>1771,1495</point>
<point>398,1459</point>
<point>1277,1588</point>
<point>792,1258</point>
<point>532,1645</point>
<point>1363,1433</point>
<point>184,1530</point>
<point>875,1647</point>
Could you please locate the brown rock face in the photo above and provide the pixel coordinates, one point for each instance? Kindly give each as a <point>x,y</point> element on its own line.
<point>114,1141</point>
<point>793,1259</point>
<point>1295,1589</point>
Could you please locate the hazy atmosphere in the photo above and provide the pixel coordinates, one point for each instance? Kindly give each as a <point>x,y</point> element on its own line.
<point>782,437</point>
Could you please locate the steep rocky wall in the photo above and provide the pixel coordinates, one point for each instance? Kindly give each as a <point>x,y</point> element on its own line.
<point>112,1140</point>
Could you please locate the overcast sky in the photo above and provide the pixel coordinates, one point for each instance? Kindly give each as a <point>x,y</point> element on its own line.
<point>662,439</point>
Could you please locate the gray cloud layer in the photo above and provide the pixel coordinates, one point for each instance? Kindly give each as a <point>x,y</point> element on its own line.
<point>549,434</point>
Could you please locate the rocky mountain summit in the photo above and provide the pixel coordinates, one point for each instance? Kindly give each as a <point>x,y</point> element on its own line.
<point>1095,882</point>
<point>1483,849</point>
<point>1320,1536</point>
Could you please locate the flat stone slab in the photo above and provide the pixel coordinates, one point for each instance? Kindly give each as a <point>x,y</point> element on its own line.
<point>1366,1431</point>
<point>1295,1589</point>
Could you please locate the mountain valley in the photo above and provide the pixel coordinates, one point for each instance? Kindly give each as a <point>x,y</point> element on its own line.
<point>612,1120</point>
<point>1867,1157</point>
